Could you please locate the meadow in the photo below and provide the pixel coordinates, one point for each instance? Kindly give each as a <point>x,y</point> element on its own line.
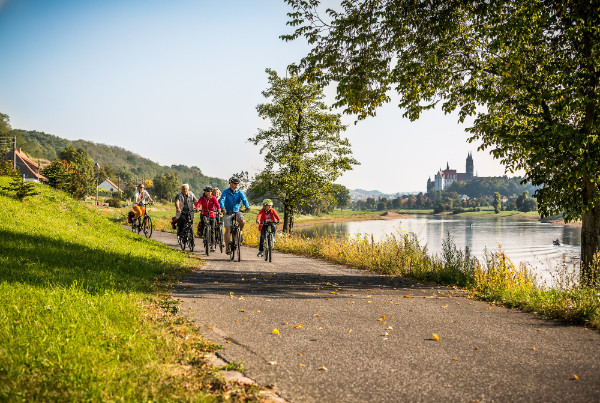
<point>85,313</point>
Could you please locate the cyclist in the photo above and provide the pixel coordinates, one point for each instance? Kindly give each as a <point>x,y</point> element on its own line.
<point>217,193</point>
<point>230,202</point>
<point>209,205</point>
<point>268,216</point>
<point>140,197</point>
<point>184,205</point>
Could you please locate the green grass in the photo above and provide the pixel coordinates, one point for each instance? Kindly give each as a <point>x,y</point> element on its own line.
<point>83,314</point>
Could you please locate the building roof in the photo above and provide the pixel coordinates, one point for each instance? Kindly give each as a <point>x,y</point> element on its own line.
<point>26,167</point>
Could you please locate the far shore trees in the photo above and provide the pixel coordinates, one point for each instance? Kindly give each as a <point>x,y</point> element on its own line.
<point>303,148</point>
<point>528,71</point>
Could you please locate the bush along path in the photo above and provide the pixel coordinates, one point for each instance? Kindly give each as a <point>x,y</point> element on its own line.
<point>317,331</point>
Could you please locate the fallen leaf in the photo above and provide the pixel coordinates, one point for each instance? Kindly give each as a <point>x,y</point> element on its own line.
<point>272,362</point>
<point>455,359</point>
<point>539,330</point>
<point>489,307</point>
<point>211,327</point>
<point>322,368</point>
<point>275,331</point>
<point>370,302</point>
<point>390,328</point>
<point>575,377</point>
<point>300,354</point>
<point>228,341</point>
<point>532,348</point>
<point>435,337</point>
<point>301,365</point>
<point>349,330</point>
<point>317,314</point>
<point>407,296</point>
<point>298,326</point>
<point>445,306</point>
<point>476,348</point>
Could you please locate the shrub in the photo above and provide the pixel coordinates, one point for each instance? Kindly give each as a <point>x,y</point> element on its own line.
<point>114,202</point>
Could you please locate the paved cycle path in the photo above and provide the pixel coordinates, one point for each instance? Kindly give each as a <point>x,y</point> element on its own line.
<point>351,336</point>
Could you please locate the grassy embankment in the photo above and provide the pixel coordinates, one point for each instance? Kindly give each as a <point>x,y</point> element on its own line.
<point>83,313</point>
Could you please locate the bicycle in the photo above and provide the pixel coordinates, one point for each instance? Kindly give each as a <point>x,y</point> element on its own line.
<point>235,243</point>
<point>185,234</point>
<point>219,231</point>
<point>143,223</point>
<point>269,242</point>
<point>209,238</point>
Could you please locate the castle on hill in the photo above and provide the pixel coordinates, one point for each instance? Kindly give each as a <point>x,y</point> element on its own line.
<point>448,176</point>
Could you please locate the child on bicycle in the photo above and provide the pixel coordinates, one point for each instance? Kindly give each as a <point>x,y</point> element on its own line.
<point>269,217</point>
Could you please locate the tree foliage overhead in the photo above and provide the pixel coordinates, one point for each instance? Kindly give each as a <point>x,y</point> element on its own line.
<point>528,71</point>
<point>303,148</point>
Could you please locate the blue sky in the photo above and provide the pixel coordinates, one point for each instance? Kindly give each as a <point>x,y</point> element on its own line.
<point>178,81</point>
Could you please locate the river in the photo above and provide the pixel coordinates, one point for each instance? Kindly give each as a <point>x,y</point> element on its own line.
<point>523,240</point>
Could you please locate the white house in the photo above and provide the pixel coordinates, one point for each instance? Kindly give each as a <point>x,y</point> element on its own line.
<point>109,186</point>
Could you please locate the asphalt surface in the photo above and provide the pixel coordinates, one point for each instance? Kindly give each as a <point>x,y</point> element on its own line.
<point>347,335</point>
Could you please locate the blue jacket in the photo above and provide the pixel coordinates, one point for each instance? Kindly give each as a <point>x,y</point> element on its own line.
<point>231,201</point>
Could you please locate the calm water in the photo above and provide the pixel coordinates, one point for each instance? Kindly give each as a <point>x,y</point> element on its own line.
<point>522,240</point>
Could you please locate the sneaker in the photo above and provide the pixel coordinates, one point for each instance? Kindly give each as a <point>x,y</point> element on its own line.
<point>228,251</point>
<point>212,248</point>
<point>260,254</point>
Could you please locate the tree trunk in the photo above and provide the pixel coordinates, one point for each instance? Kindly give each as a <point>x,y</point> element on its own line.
<point>590,239</point>
<point>288,218</point>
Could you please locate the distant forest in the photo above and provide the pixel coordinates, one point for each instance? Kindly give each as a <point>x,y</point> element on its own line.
<point>125,164</point>
<point>487,186</point>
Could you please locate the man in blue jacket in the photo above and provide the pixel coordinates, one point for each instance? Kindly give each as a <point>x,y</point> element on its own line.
<point>230,202</point>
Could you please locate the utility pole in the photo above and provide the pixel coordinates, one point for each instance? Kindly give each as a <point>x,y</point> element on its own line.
<point>15,152</point>
<point>97,166</point>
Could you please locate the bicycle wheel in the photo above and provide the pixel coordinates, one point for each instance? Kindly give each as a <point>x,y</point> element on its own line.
<point>190,236</point>
<point>207,238</point>
<point>182,238</point>
<point>232,244</point>
<point>219,238</point>
<point>238,246</point>
<point>147,227</point>
<point>268,249</point>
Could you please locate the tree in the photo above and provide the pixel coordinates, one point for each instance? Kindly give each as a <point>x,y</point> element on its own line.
<point>72,172</point>
<point>528,71</point>
<point>166,186</point>
<point>521,200</point>
<point>497,203</point>
<point>341,195</point>
<point>21,187</point>
<point>5,131</point>
<point>304,150</point>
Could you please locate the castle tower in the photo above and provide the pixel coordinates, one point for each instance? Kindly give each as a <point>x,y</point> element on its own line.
<point>469,170</point>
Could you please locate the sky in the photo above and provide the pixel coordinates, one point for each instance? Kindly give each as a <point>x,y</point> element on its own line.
<point>178,82</point>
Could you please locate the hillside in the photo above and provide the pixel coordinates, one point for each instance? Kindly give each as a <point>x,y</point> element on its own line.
<point>40,145</point>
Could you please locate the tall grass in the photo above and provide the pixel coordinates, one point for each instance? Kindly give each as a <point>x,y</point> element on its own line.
<point>83,314</point>
<point>494,278</point>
